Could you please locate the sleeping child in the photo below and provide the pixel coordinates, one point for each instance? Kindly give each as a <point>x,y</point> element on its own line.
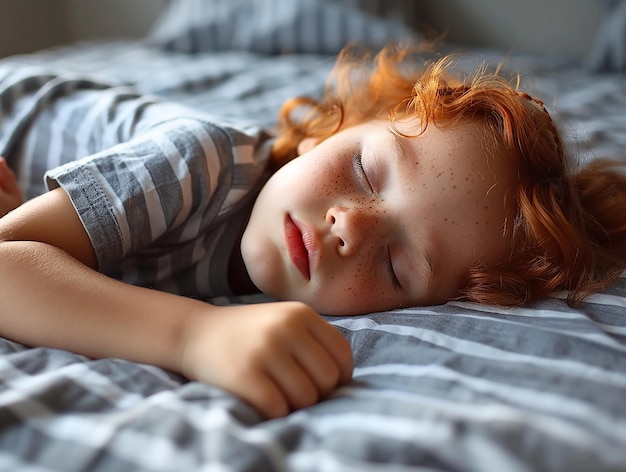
<point>406,184</point>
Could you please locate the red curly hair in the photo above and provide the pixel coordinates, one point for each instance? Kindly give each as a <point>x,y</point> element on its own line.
<point>569,232</point>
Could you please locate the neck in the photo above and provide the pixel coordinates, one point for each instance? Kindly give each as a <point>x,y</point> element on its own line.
<point>238,277</point>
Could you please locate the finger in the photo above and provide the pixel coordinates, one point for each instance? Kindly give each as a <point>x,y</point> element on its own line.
<point>336,345</point>
<point>298,388</point>
<point>265,396</point>
<point>318,363</point>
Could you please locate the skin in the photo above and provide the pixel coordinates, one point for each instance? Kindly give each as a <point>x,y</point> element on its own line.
<point>10,195</point>
<point>281,356</point>
<point>434,205</point>
<point>278,357</point>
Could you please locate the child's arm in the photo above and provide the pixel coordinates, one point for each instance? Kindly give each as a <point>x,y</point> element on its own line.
<point>10,195</point>
<point>277,356</point>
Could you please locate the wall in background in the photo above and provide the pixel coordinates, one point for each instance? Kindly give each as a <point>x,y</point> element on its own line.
<point>96,19</point>
<point>29,25</point>
<point>554,26</point>
<point>536,26</point>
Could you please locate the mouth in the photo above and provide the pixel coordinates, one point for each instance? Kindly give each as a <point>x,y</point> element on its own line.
<point>299,246</point>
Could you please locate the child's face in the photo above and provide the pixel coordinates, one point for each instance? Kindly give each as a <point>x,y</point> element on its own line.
<point>400,231</point>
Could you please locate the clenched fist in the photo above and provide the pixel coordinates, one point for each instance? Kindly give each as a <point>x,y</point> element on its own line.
<point>277,356</point>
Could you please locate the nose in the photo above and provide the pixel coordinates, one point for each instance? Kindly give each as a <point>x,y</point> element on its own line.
<point>349,228</point>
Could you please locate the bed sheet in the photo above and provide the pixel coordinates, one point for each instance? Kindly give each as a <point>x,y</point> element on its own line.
<point>456,387</point>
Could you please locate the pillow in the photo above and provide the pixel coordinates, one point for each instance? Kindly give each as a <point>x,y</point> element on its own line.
<point>609,51</point>
<point>273,26</point>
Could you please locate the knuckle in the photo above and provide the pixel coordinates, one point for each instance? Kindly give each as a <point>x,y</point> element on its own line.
<point>345,354</point>
<point>268,402</point>
<point>305,398</point>
<point>329,380</point>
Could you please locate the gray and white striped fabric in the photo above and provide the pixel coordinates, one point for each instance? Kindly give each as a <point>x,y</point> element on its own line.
<point>457,387</point>
<point>162,191</point>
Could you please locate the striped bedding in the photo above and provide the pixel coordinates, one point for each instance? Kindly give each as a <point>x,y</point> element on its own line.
<point>457,387</point>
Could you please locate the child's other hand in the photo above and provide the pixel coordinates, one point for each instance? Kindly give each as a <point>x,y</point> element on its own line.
<point>277,356</point>
<point>10,195</point>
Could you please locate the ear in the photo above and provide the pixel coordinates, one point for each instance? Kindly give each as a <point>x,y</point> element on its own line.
<point>307,144</point>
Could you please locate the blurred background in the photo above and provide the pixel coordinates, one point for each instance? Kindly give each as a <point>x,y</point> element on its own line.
<point>29,25</point>
<point>566,27</point>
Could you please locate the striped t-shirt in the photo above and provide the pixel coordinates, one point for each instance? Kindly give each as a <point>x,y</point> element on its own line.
<point>162,191</point>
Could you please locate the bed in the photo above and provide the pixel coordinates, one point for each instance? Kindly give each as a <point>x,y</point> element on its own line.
<point>456,387</point>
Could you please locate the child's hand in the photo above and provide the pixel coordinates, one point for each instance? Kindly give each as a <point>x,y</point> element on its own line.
<point>10,195</point>
<point>277,356</point>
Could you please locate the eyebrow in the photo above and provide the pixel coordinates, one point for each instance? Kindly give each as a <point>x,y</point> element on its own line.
<point>400,146</point>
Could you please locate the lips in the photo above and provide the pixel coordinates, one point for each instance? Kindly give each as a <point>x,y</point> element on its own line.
<point>300,246</point>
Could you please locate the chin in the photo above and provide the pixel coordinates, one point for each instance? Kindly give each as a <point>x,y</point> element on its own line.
<point>269,281</point>
<point>332,310</point>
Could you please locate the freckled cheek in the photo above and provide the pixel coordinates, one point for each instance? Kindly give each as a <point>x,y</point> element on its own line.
<point>361,287</point>
<point>328,181</point>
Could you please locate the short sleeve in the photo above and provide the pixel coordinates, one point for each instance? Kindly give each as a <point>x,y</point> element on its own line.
<point>159,190</point>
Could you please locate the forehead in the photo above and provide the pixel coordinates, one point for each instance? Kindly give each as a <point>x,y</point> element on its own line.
<point>465,161</point>
<point>457,188</point>
<point>467,147</point>
<point>467,141</point>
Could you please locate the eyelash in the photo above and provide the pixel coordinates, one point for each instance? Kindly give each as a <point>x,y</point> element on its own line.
<point>392,273</point>
<point>360,170</point>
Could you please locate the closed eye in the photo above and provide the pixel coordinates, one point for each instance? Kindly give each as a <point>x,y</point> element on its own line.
<point>360,171</point>
<point>391,273</point>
